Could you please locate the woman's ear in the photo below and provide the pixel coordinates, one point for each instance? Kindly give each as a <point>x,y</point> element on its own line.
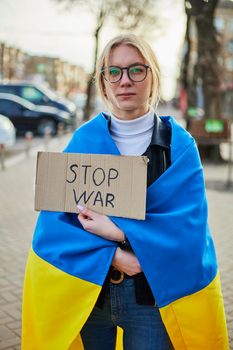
<point>104,90</point>
<point>103,87</point>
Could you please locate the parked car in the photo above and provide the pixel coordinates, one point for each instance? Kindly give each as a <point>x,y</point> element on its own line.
<point>7,132</point>
<point>27,116</point>
<point>38,94</point>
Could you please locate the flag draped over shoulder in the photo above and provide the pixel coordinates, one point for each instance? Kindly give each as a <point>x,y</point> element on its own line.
<point>67,265</point>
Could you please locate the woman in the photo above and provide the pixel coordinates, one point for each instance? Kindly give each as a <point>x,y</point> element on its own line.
<point>129,85</point>
<point>156,279</point>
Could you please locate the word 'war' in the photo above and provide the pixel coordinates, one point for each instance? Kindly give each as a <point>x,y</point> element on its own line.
<point>96,198</point>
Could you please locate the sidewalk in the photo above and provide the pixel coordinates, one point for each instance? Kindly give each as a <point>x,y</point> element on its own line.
<point>18,220</point>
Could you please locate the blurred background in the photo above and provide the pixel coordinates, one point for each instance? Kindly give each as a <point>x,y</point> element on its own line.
<point>48,53</point>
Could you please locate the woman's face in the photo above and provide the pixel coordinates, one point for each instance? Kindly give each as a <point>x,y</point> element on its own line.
<point>129,99</point>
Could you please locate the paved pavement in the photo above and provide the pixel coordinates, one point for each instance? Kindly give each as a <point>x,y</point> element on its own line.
<point>17,220</point>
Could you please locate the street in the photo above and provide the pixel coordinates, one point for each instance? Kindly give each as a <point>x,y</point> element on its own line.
<point>18,220</point>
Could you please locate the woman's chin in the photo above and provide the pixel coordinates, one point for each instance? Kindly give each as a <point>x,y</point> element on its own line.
<point>127,106</point>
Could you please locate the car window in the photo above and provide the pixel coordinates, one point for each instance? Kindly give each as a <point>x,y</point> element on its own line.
<point>32,94</point>
<point>9,107</point>
<point>8,89</point>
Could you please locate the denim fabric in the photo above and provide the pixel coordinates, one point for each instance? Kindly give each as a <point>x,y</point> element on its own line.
<point>142,324</point>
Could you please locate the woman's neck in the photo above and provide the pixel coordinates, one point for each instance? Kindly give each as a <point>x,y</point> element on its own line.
<point>133,136</point>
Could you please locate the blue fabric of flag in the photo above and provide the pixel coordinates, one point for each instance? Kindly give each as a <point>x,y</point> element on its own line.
<point>173,244</point>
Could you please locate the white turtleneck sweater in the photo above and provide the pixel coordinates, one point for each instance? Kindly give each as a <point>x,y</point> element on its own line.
<point>132,137</point>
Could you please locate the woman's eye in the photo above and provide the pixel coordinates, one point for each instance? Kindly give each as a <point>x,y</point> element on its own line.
<point>135,70</point>
<point>114,71</point>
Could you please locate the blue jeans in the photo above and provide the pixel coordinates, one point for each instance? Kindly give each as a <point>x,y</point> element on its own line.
<point>142,324</point>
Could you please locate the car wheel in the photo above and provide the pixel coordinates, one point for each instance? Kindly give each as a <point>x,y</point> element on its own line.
<point>47,126</point>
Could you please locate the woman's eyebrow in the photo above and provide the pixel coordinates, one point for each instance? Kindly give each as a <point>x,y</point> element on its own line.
<point>131,64</point>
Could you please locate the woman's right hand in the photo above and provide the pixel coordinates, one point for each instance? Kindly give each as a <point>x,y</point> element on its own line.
<point>126,262</point>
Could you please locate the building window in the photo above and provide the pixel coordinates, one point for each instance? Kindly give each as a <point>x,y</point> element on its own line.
<point>230,25</point>
<point>219,23</point>
<point>230,46</point>
<point>229,64</point>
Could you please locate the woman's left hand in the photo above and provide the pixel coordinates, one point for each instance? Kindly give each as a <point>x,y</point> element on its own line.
<point>100,225</point>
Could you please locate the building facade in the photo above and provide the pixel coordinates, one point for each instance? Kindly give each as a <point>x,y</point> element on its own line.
<point>224,25</point>
<point>61,76</point>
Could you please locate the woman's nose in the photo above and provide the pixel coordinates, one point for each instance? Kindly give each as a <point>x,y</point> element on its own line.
<point>125,78</point>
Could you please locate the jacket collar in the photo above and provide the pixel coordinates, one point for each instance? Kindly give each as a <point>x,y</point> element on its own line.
<point>161,134</point>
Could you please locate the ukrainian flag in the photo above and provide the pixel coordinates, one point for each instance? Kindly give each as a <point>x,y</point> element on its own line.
<point>65,271</point>
<point>67,265</point>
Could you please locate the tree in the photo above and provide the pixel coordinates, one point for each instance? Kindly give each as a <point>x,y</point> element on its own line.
<point>205,73</point>
<point>127,14</point>
<point>201,79</point>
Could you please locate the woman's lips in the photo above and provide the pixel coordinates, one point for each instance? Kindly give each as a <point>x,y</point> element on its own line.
<point>126,94</point>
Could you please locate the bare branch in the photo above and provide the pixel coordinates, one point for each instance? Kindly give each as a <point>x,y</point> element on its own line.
<point>128,15</point>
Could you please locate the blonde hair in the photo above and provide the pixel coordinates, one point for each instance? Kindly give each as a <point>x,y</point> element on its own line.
<point>145,50</point>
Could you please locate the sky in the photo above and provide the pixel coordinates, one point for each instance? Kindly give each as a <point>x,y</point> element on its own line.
<point>45,28</point>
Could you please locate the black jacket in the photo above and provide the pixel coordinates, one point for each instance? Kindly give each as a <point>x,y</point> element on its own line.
<point>159,157</point>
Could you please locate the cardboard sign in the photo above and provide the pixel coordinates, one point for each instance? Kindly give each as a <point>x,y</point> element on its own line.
<point>113,185</point>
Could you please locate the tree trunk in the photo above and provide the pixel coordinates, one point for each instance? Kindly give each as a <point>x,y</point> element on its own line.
<point>208,70</point>
<point>204,76</point>
<point>185,92</point>
<point>91,91</point>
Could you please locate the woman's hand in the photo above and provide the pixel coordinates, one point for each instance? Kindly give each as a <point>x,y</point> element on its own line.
<point>126,262</point>
<point>100,225</point>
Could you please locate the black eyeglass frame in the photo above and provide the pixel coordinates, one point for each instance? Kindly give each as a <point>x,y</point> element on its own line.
<point>126,68</point>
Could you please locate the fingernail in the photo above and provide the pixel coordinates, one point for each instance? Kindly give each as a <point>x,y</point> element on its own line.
<point>80,207</point>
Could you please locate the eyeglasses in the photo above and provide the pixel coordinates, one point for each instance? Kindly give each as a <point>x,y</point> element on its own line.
<point>135,72</point>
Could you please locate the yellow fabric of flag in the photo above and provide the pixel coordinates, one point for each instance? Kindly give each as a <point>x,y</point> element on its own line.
<point>193,325</point>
